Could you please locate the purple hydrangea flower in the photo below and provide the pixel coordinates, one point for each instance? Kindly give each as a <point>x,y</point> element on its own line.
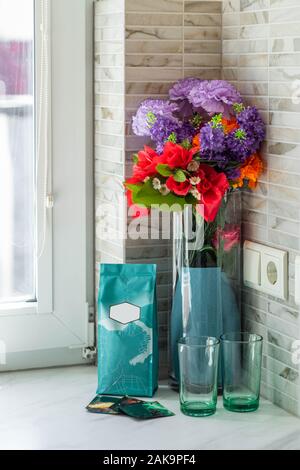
<point>212,139</point>
<point>180,93</point>
<point>214,96</point>
<point>182,88</point>
<point>149,110</point>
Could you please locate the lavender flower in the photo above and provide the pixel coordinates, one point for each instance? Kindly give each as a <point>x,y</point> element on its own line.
<point>240,144</point>
<point>245,141</point>
<point>185,132</point>
<point>161,131</point>
<point>148,113</point>
<point>233,173</point>
<point>214,96</point>
<point>250,121</point>
<point>212,139</point>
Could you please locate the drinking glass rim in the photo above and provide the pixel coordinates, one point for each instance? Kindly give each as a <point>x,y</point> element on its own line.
<point>182,341</point>
<point>256,338</point>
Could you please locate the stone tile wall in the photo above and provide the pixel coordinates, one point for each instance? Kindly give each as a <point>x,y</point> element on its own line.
<point>261,56</point>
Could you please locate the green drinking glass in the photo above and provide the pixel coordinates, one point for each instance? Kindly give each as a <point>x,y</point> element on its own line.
<point>198,375</point>
<point>241,370</point>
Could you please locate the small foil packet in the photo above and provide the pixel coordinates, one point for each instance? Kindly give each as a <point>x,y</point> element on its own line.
<point>105,405</point>
<point>140,409</point>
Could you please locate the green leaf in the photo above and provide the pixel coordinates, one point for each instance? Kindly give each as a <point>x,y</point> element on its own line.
<point>179,176</point>
<point>135,188</point>
<point>135,158</point>
<point>164,169</point>
<point>148,196</point>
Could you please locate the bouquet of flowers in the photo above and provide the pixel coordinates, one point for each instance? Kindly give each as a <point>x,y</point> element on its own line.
<point>206,145</point>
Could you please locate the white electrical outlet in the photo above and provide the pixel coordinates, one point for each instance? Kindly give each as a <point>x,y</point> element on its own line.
<point>266,269</point>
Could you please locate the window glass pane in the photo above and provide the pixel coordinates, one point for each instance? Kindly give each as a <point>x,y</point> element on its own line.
<point>17,151</point>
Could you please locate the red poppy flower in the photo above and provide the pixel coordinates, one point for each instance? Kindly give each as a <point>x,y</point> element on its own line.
<point>147,162</point>
<point>181,189</point>
<point>212,189</point>
<point>176,156</point>
<point>230,236</point>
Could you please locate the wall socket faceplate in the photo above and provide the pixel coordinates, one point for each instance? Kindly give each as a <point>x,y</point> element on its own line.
<point>266,269</point>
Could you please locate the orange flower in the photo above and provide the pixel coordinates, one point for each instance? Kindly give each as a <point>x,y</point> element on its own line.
<point>250,171</point>
<point>229,125</point>
<point>196,142</point>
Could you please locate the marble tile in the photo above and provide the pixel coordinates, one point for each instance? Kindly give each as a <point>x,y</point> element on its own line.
<point>147,32</point>
<point>284,164</point>
<point>162,60</point>
<point>230,32</point>
<point>284,30</point>
<point>283,3</point>
<point>151,47</point>
<point>156,74</point>
<point>192,19</point>
<point>204,74</point>
<point>109,6</point>
<point>281,355</point>
<point>196,33</point>
<point>279,383</point>
<point>283,178</point>
<point>253,89</point>
<point>254,31</point>
<point>231,6</point>
<point>202,60</point>
<point>109,20</point>
<point>285,44</point>
<point>153,19</point>
<point>109,34</point>
<point>258,17</point>
<point>164,6</point>
<point>285,60</point>
<point>147,88</point>
<point>284,15</point>
<point>253,60</point>
<point>203,6</point>
<point>285,313</point>
<point>204,46</point>
<point>279,340</point>
<point>285,74</point>
<point>113,114</point>
<point>249,5</point>
<point>284,240</point>
<point>253,45</point>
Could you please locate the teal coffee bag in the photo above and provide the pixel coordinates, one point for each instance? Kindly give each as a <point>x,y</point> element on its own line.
<point>127,330</point>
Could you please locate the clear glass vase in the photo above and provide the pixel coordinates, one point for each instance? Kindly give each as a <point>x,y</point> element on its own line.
<point>206,275</point>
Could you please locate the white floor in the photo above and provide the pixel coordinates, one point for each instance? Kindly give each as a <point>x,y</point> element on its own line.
<point>45,409</point>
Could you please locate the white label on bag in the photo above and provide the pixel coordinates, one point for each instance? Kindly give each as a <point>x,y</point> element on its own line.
<point>125,313</point>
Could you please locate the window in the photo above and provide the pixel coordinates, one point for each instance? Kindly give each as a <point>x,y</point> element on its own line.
<point>46,141</point>
<point>17,152</point>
